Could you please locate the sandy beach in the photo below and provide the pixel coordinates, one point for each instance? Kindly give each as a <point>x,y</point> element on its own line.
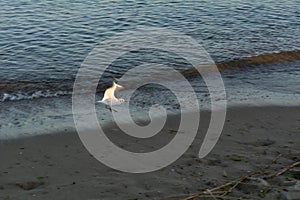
<point>57,166</point>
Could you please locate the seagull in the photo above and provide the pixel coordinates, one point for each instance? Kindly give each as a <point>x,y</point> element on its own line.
<point>109,98</point>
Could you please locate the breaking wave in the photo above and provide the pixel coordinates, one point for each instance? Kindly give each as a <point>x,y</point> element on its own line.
<point>34,95</point>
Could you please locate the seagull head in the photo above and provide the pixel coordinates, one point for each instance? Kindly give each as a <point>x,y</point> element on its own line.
<point>117,86</point>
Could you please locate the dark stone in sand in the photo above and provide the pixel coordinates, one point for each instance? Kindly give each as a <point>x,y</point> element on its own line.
<point>265,142</point>
<point>29,185</point>
<point>1,187</point>
<point>212,183</point>
<point>262,142</point>
<point>212,162</point>
<point>295,173</point>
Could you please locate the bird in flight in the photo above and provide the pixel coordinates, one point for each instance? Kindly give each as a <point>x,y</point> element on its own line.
<point>109,98</point>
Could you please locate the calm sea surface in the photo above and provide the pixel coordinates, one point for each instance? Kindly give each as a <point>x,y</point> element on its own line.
<point>43,44</point>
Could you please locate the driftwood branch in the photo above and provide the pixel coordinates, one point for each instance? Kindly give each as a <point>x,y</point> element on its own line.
<point>287,168</point>
<point>221,191</point>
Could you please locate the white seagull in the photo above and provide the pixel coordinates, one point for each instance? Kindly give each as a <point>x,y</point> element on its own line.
<point>109,98</point>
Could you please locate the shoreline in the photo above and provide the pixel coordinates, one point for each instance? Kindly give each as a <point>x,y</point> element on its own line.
<point>47,125</point>
<point>59,167</point>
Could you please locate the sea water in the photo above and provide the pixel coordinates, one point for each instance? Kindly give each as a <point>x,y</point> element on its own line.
<point>44,43</point>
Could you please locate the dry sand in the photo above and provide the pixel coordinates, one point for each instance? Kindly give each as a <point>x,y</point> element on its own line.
<point>57,166</point>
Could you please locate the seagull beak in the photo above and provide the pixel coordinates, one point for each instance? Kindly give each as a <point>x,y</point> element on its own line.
<point>119,86</point>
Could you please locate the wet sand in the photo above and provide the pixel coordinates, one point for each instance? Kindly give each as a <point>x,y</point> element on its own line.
<point>57,166</point>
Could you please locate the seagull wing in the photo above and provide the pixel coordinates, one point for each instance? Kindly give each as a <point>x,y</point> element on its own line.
<point>109,94</point>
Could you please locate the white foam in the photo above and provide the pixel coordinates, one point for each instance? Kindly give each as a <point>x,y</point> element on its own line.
<point>34,95</point>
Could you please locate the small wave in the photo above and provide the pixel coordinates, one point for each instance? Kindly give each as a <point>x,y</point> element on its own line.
<point>262,59</point>
<point>34,95</point>
<point>249,61</point>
